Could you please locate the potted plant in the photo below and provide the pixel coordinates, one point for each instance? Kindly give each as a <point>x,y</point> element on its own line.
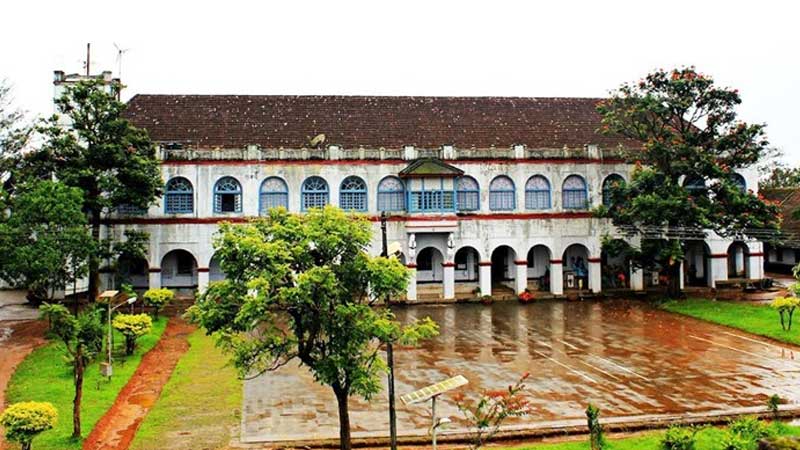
<point>525,297</point>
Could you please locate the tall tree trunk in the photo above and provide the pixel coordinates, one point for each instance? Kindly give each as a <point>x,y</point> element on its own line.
<point>76,402</point>
<point>344,419</point>
<point>674,280</point>
<point>94,263</point>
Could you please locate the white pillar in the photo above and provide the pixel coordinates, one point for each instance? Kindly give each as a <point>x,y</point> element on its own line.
<point>556,277</point>
<point>485,277</point>
<point>755,266</point>
<point>202,279</point>
<point>718,269</point>
<point>681,277</point>
<point>595,276</point>
<point>449,280</point>
<point>154,278</point>
<point>637,279</point>
<point>411,289</point>
<point>521,276</point>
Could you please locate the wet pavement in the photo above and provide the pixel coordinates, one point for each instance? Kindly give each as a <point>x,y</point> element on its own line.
<point>629,359</point>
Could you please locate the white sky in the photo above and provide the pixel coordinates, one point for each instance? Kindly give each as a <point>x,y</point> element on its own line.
<point>554,48</point>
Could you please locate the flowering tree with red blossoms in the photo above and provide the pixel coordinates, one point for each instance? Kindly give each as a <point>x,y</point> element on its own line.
<point>689,130</point>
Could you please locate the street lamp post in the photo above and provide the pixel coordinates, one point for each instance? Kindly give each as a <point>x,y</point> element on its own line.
<point>389,351</point>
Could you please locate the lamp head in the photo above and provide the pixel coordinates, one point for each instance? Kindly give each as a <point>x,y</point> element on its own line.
<point>131,300</point>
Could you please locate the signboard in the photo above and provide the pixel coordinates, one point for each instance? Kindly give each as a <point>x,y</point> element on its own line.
<point>433,390</point>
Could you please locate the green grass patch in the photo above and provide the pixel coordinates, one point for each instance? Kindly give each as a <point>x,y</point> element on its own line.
<point>45,376</point>
<point>199,405</point>
<point>758,319</point>
<point>707,439</point>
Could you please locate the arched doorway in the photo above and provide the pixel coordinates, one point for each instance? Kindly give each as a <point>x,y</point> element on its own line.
<point>215,272</point>
<point>429,266</point>
<point>737,260</point>
<point>466,260</point>
<point>576,267</point>
<point>132,271</point>
<point>696,264</point>
<point>179,270</point>
<point>615,268</point>
<point>503,264</point>
<point>539,257</point>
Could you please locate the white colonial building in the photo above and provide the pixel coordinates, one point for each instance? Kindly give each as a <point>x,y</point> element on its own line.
<point>483,194</point>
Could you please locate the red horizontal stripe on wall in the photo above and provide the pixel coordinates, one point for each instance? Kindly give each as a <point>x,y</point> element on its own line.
<point>521,262</point>
<point>756,254</point>
<point>202,269</point>
<point>718,255</point>
<point>556,261</point>
<point>154,269</point>
<point>365,162</point>
<point>397,218</point>
<point>594,260</point>
<point>411,266</point>
<point>448,264</point>
<point>485,263</point>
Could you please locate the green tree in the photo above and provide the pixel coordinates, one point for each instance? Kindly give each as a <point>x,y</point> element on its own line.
<point>24,420</point>
<point>112,162</point>
<point>82,336</point>
<point>302,287</point>
<point>44,241</point>
<point>15,135</point>
<point>782,177</point>
<point>688,130</point>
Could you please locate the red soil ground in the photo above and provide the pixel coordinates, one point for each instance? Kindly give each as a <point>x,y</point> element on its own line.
<point>117,428</point>
<point>25,337</point>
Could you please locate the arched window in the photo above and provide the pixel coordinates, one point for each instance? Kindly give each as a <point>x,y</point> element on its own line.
<point>611,180</point>
<point>574,194</point>
<point>468,194</point>
<point>353,194</point>
<point>537,193</point>
<point>740,182</point>
<point>274,193</point>
<point>502,194</point>
<point>179,196</point>
<point>391,194</point>
<point>314,193</point>
<point>227,195</point>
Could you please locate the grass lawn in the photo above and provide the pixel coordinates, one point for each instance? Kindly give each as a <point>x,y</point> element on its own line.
<point>45,376</point>
<point>199,405</point>
<point>757,319</point>
<point>707,439</point>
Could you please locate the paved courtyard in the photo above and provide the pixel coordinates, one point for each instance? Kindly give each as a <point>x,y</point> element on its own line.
<point>628,358</point>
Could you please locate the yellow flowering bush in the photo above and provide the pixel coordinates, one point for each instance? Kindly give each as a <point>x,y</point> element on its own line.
<point>24,420</point>
<point>785,307</point>
<point>158,298</point>
<point>132,326</point>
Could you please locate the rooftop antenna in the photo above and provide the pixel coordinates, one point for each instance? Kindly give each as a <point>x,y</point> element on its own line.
<point>120,53</point>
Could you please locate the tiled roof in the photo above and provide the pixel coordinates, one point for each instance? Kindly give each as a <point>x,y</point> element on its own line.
<point>788,199</point>
<point>234,121</point>
<point>428,166</point>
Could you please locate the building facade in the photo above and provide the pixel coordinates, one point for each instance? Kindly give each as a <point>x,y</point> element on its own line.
<point>483,195</point>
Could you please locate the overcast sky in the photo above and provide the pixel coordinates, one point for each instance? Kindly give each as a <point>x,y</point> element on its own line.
<point>555,48</point>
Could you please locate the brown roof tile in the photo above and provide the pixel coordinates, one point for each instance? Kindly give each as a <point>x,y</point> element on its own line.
<point>234,121</point>
<point>788,199</point>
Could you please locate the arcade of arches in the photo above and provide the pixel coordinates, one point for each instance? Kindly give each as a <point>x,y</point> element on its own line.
<point>446,271</point>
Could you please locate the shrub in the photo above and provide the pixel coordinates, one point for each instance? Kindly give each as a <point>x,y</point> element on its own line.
<point>132,326</point>
<point>773,405</point>
<point>785,307</point>
<point>750,428</point>
<point>158,298</point>
<point>596,440</point>
<point>679,438</point>
<point>23,421</point>
<point>732,441</point>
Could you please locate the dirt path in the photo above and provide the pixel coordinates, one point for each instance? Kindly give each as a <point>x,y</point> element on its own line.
<point>17,340</point>
<point>118,426</point>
